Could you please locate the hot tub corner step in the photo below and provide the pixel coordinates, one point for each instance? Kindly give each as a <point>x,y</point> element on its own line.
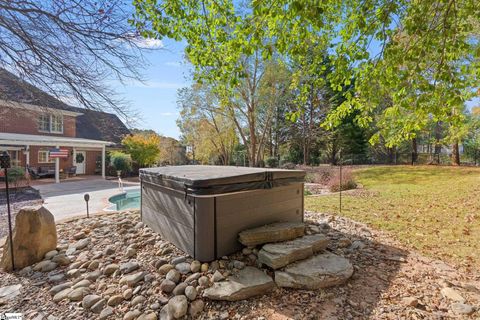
<point>320,271</point>
<point>275,232</point>
<point>278,255</point>
<point>249,282</point>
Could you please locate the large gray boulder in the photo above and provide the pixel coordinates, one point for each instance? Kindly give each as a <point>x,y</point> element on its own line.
<point>34,235</point>
<point>249,282</point>
<point>275,232</point>
<point>320,271</point>
<point>278,255</point>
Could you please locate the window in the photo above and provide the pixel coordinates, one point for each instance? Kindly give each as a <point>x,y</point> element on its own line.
<point>50,123</point>
<point>57,123</point>
<point>44,123</point>
<point>15,158</point>
<point>43,157</point>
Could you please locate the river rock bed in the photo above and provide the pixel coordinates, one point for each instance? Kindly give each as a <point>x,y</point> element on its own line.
<point>113,267</point>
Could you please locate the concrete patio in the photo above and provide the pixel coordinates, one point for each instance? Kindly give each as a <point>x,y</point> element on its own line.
<point>65,200</point>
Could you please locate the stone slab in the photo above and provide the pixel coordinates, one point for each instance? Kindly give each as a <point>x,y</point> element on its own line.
<point>278,255</point>
<point>275,232</point>
<point>320,271</point>
<point>249,282</point>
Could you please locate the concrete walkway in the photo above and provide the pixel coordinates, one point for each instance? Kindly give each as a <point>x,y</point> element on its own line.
<point>65,200</point>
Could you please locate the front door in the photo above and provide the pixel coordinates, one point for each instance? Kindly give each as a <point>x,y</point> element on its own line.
<point>79,161</point>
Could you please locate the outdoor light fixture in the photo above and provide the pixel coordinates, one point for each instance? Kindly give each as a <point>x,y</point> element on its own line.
<point>86,197</point>
<point>5,165</point>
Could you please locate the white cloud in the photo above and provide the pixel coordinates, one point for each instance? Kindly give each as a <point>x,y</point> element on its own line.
<point>149,43</point>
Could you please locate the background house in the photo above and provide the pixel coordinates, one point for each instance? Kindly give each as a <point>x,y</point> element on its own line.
<point>33,123</point>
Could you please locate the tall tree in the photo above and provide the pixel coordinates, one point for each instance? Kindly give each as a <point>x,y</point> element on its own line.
<point>205,127</point>
<point>429,73</point>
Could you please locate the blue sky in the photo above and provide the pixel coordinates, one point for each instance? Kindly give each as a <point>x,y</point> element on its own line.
<point>155,99</point>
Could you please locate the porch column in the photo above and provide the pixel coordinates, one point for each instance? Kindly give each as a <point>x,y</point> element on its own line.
<point>27,156</point>
<point>103,161</point>
<point>74,160</point>
<point>57,168</point>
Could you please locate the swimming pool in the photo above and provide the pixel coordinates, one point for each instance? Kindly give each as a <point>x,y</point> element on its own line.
<point>126,200</point>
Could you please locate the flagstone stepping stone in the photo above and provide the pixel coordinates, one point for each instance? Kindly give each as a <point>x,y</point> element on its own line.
<point>10,292</point>
<point>462,308</point>
<point>247,283</point>
<point>278,255</point>
<point>320,271</point>
<point>452,294</point>
<point>275,232</point>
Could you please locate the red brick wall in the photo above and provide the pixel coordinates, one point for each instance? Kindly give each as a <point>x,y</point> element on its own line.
<point>64,163</point>
<point>20,120</point>
<point>90,159</point>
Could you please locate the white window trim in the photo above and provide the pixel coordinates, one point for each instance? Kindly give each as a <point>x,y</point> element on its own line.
<point>50,124</point>
<point>48,157</point>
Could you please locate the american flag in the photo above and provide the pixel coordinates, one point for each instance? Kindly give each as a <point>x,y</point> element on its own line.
<point>58,153</point>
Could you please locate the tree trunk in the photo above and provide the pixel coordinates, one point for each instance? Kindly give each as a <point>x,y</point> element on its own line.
<point>414,151</point>
<point>455,154</point>
<point>253,141</point>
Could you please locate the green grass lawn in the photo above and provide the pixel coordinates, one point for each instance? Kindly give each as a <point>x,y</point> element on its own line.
<point>435,210</point>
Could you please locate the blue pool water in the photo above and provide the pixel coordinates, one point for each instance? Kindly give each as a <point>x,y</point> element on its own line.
<point>126,200</point>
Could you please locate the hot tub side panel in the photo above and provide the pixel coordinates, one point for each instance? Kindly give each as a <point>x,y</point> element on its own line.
<point>169,214</point>
<point>243,210</point>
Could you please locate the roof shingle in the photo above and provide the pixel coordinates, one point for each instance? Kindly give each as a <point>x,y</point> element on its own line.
<point>91,124</point>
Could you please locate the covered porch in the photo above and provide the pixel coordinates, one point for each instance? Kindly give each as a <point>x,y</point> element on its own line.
<point>33,151</point>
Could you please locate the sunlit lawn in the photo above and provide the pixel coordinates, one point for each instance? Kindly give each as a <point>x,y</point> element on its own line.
<point>435,210</point>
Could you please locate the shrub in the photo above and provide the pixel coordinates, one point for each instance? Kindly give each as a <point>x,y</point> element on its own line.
<point>348,181</point>
<point>272,162</point>
<point>121,161</point>
<point>320,175</point>
<point>16,176</point>
<point>307,192</point>
<point>144,149</point>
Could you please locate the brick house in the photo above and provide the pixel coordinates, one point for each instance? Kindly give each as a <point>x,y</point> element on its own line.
<point>33,123</point>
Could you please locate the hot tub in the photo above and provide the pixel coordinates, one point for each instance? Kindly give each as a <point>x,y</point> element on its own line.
<point>201,209</point>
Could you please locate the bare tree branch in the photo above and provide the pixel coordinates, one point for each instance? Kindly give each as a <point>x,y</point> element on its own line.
<point>73,49</point>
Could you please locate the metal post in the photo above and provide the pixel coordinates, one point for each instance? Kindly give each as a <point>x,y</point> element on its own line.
<point>10,232</point>
<point>5,164</point>
<point>340,181</point>
<point>103,162</point>
<point>57,168</point>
